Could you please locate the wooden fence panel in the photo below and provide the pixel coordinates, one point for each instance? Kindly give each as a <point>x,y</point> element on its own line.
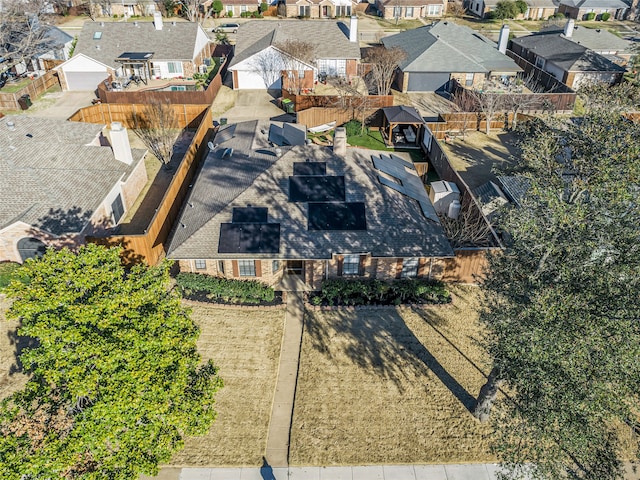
<point>35,88</point>
<point>303,102</point>
<point>468,266</point>
<point>150,245</point>
<point>312,117</point>
<point>188,116</point>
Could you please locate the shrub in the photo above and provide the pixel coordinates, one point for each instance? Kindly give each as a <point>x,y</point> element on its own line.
<point>522,6</point>
<point>264,6</point>
<point>340,291</point>
<point>605,16</point>
<point>245,14</point>
<point>228,290</point>
<point>353,128</point>
<point>256,14</point>
<point>229,14</point>
<point>590,16</point>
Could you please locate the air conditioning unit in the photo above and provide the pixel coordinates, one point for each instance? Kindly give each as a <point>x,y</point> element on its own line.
<point>202,69</point>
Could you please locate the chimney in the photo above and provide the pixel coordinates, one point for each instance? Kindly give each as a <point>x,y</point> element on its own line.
<point>120,143</point>
<point>157,20</point>
<point>340,142</point>
<point>568,28</point>
<point>503,39</point>
<point>353,29</point>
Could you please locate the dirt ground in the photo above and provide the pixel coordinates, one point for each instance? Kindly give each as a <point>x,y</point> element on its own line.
<point>391,387</point>
<point>478,156</point>
<point>245,345</point>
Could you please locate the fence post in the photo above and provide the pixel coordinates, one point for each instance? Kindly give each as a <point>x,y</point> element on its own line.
<point>109,109</point>
<point>184,109</point>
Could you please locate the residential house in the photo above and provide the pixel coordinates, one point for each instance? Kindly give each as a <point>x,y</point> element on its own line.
<point>155,49</point>
<point>538,9</point>
<point>391,9</point>
<point>579,9</point>
<point>124,8</point>
<point>320,8</point>
<point>61,181</point>
<point>305,210</point>
<point>568,60</point>
<point>55,45</point>
<point>259,59</point>
<point>235,8</point>
<point>438,53</point>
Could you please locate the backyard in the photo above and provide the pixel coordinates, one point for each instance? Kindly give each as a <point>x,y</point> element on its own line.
<point>391,386</point>
<point>372,139</point>
<point>245,345</point>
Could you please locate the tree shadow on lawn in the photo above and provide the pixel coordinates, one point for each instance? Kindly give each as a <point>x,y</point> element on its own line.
<point>380,341</point>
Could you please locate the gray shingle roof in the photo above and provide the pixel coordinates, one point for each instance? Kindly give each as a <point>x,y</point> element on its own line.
<point>595,3</point>
<point>448,47</point>
<point>568,55</point>
<point>173,42</point>
<point>395,223</point>
<point>515,187</point>
<point>53,172</point>
<point>329,38</point>
<point>402,114</point>
<point>596,39</point>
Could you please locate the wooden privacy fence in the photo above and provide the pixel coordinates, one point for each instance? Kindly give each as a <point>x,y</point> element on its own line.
<point>149,245</point>
<point>312,117</point>
<point>35,88</point>
<point>303,102</point>
<point>189,116</point>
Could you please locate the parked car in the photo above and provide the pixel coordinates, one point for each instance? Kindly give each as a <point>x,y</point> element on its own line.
<point>226,28</point>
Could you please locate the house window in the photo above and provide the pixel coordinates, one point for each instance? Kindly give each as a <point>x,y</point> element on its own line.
<point>397,12</point>
<point>275,266</point>
<point>540,62</point>
<point>408,12</point>
<point>305,11</point>
<point>351,265</point>
<point>243,8</point>
<point>174,67</point>
<point>434,10</point>
<point>468,80</point>
<point>117,209</point>
<point>220,267</point>
<point>247,268</point>
<point>343,10</point>
<point>229,8</point>
<point>30,248</point>
<point>409,268</point>
<point>201,264</point>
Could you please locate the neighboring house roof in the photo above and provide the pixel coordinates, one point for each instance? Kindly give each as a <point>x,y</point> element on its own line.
<point>566,54</point>
<point>50,177</point>
<point>447,47</point>
<point>514,187</point>
<point>173,42</point>
<point>402,114</point>
<point>253,175</point>
<point>56,38</point>
<point>609,4</point>
<point>491,4</point>
<point>596,39</point>
<point>330,39</point>
<point>409,3</point>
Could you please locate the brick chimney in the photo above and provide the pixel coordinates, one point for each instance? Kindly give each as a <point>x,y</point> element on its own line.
<point>157,20</point>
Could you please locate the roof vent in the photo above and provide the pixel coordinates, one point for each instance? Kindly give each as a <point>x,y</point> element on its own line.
<point>11,125</point>
<point>173,22</point>
<point>135,24</point>
<point>102,24</point>
<point>97,47</point>
<point>29,135</point>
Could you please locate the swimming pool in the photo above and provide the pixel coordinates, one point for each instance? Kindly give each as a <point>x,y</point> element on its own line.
<point>178,88</point>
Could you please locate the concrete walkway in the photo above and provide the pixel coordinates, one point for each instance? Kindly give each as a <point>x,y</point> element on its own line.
<point>277,453</point>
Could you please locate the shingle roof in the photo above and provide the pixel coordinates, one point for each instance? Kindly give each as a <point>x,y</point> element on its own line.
<point>402,114</point>
<point>329,38</point>
<point>411,3</point>
<point>395,223</point>
<point>596,39</point>
<point>448,47</point>
<point>567,55</point>
<point>173,42</point>
<point>514,187</point>
<point>54,170</point>
<point>595,3</point>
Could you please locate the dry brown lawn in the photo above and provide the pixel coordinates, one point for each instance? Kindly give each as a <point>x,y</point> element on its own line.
<point>245,345</point>
<point>391,386</point>
<point>11,376</point>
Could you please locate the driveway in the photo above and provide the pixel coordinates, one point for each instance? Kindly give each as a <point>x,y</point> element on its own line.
<point>253,105</point>
<point>61,105</point>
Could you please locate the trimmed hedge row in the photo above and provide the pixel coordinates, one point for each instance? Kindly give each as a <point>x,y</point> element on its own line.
<point>338,291</point>
<point>228,290</point>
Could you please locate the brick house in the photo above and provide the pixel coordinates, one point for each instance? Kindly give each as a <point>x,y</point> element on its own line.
<point>579,9</point>
<point>61,181</point>
<point>238,7</point>
<point>258,62</point>
<point>320,8</point>
<point>391,9</point>
<point>267,213</point>
<point>174,49</point>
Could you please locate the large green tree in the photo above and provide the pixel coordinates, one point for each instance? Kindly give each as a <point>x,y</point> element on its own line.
<point>116,382</point>
<point>562,306</point>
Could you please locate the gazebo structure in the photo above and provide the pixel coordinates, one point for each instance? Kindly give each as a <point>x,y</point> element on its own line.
<point>401,126</point>
<point>137,65</point>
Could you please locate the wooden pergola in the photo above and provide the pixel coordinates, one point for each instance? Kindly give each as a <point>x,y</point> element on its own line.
<point>399,116</point>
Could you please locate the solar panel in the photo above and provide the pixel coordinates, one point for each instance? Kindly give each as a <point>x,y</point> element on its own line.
<point>250,215</point>
<point>337,216</point>
<point>312,188</point>
<point>310,168</point>
<point>249,238</point>
<point>294,134</point>
<point>225,134</point>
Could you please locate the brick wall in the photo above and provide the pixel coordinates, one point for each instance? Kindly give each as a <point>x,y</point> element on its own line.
<point>264,270</point>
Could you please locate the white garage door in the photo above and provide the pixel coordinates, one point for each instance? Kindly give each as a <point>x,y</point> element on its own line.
<point>84,80</point>
<point>248,80</point>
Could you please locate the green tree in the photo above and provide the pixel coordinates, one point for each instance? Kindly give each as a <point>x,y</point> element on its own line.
<point>562,307</point>
<point>522,6</point>
<point>264,6</point>
<point>115,383</point>
<point>506,9</point>
<point>216,7</point>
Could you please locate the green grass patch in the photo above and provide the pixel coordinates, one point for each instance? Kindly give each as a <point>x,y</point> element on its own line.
<point>7,272</point>
<point>373,141</point>
<point>14,87</point>
<point>399,24</point>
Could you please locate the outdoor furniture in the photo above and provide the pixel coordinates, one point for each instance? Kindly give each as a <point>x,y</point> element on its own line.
<point>409,135</point>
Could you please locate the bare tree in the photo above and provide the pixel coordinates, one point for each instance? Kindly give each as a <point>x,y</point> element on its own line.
<point>354,97</point>
<point>455,9</point>
<point>468,230</point>
<point>489,104</point>
<point>268,65</point>
<point>158,129</point>
<point>190,9</point>
<point>517,102</point>
<point>384,62</point>
<point>296,54</point>
<point>465,104</point>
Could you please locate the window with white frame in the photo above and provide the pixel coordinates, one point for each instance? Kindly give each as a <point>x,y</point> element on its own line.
<point>174,67</point>
<point>468,79</point>
<point>408,12</point>
<point>243,8</point>
<point>351,265</point>
<point>343,10</point>
<point>246,268</point>
<point>434,10</point>
<point>220,267</point>
<point>275,266</point>
<point>201,264</point>
<point>304,11</point>
<point>409,268</point>
<point>397,12</point>
<point>229,8</point>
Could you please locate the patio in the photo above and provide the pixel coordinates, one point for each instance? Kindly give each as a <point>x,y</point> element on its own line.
<point>401,127</point>
<point>128,84</point>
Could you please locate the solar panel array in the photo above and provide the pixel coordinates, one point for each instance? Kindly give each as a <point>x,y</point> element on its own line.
<point>337,216</point>
<point>249,232</point>
<point>310,168</point>
<point>316,188</point>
